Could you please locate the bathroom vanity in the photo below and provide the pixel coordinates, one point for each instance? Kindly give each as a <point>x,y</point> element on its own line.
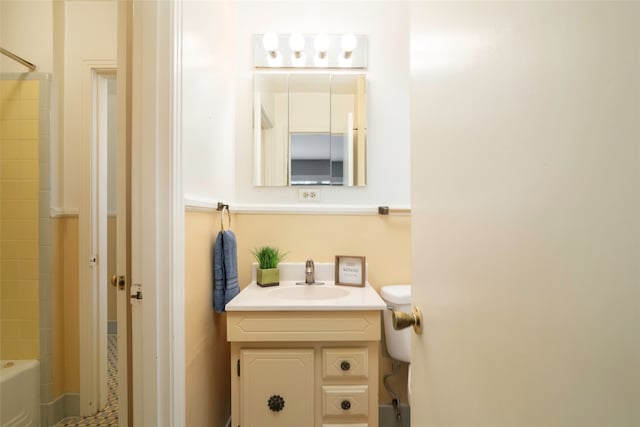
<point>304,355</point>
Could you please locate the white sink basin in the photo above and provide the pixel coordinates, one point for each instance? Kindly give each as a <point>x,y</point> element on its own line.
<point>292,297</point>
<point>308,292</point>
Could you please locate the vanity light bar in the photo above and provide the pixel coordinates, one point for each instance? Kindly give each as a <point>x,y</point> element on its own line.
<point>271,50</point>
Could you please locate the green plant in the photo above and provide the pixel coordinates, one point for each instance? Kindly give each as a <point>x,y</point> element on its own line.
<point>268,257</point>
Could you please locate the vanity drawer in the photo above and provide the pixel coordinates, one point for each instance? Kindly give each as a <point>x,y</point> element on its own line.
<point>345,363</point>
<point>345,401</point>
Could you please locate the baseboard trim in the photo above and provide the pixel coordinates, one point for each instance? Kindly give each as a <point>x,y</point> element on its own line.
<point>65,405</point>
<point>387,416</point>
<point>72,404</point>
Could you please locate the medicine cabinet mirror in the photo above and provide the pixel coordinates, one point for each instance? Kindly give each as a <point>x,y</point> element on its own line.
<point>309,129</point>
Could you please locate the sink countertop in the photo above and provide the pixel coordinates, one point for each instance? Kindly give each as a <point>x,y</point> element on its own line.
<point>257,298</point>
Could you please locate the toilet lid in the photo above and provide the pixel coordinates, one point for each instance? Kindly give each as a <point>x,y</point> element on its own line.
<point>397,294</point>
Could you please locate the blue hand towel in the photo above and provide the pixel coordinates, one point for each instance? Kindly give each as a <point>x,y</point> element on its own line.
<point>225,270</point>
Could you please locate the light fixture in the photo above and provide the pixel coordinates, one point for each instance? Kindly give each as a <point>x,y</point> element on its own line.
<point>348,44</point>
<point>296,43</point>
<point>270,43</point>
<point>317,50</point>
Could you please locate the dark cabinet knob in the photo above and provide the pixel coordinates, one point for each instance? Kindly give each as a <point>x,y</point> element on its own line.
<point>345,366</point>
<point>276,403</point>
<point>346,405</point>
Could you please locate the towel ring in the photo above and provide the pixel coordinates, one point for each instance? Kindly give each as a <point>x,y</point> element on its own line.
<point>225,208</point>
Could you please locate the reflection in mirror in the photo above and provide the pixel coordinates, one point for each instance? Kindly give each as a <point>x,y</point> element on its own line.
<point>309,129</point>
<point>271,130</point>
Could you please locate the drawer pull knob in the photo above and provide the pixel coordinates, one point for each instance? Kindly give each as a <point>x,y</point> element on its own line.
<point>276,403</point>
<point>345,366</point>
<point>346,405</point>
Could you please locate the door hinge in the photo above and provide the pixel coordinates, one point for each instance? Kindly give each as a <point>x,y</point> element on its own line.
<point>238,367</point>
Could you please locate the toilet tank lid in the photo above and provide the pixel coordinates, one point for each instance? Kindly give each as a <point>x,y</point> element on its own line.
<point>397,294</point>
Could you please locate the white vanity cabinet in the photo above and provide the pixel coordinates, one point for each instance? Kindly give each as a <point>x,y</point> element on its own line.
<point>304,368</point>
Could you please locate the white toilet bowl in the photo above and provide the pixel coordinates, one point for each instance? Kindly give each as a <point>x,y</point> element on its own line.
<point>398,342</point>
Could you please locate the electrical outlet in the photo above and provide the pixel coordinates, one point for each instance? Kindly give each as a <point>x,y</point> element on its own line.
<point>306,195</point>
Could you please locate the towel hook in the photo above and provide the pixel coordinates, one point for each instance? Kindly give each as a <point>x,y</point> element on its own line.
<point>225,208</point>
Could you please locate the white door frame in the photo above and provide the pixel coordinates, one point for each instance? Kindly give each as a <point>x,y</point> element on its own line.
<point>157,215</point>
<point>93,238</point>
<point>157,219</point>
<point>123,211</point>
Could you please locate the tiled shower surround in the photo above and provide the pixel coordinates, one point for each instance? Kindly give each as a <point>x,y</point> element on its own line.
<point>25,225</point>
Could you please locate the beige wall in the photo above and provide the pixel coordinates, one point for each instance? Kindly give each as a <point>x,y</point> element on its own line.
<point>206,348</point>
<point>19,269</point>
<point>65,310</point>
<point>385,241</point>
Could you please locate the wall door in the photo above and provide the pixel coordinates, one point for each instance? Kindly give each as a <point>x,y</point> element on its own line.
<point>147,60</point>
<point>123,214</point>
<point>97,124</point>
<point>525,147</point>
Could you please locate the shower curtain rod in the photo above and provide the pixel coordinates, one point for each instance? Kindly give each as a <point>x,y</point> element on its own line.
<point>15,57</point>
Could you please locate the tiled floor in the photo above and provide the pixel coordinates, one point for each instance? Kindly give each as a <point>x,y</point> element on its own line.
<point>109,416</point>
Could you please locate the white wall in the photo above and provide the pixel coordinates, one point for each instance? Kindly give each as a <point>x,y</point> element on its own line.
<point>29,29</point>
<point>526,227</point>
<point>386,24</point>
<point>26,29</point>
<point>90,36</point>
<point>208,100</point>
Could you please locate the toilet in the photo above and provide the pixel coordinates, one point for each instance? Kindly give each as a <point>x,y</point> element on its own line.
<point>398,342</point>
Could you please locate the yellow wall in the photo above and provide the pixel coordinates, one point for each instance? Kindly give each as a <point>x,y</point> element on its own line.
<point>19,224</point>
<point>206,349</point>
<point>385,241</point>
<point>65,329</point>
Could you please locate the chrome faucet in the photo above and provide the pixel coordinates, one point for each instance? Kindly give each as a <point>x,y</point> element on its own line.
<point>309,272</point>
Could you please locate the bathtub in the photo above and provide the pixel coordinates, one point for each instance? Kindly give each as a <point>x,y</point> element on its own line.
<point>19,393</point>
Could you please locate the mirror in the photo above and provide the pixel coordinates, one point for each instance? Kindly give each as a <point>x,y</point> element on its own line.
<point>309,129</point>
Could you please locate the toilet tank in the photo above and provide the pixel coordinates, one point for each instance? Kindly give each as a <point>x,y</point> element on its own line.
<point>398,342</point>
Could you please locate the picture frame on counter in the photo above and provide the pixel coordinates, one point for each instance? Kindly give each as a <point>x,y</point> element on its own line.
<point>350,270</point>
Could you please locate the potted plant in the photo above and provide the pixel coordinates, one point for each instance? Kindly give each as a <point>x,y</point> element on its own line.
<point>268,259</point>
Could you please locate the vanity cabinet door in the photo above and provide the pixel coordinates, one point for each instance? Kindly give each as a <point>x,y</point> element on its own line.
<point>277,387</point>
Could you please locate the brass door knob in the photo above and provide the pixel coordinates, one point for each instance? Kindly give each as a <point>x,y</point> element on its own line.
<point>401,320</point>
<point>114,281</point>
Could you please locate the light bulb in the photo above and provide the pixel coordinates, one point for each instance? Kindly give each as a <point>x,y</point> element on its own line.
<point>270,42</point>
<point>321,44</point>
<point>348,43</point>
<point>296,43</point>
